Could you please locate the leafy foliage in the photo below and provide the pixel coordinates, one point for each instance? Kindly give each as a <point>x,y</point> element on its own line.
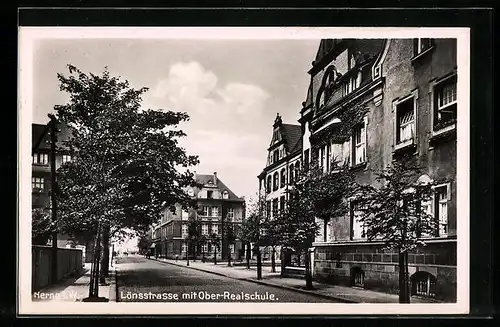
<point>393,212</point>
<point>144,244</point>
<point>41,226</point>
<point>124,164</point>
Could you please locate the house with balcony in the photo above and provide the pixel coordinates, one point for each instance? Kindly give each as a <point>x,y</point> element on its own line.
<point>405,93</point>
<point>217,208</point>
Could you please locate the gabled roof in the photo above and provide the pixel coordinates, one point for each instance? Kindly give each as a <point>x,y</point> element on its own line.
<point>40,136</point>
<point>205,179</point>
<point>292,135</point>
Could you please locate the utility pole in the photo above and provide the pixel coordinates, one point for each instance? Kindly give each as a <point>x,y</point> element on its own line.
<point>53,140</point>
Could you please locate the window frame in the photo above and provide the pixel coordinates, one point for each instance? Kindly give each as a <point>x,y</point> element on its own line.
<point>36,159</point>
<point>396,105</point>
<point>282,177</point>
<point>418,49</point>
<point>435,89</point>
<point>37,184</point>
<point>359,146</point>
<point>353,223</point>
<point>214,212</point>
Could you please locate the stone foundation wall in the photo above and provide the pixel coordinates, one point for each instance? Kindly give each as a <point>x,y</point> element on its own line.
<point>337,264</point>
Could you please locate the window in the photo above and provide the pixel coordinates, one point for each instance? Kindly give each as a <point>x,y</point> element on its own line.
<point>358,277</point>
<point>215,229</point>
<point>297,169</point>
<point>184,247</point>
<point>206,211</point>
<point>275,207</point>
<point>328,156</point>
<point>283,177</point>
<point>268,208</point>
<point>322,157</point>
<point>275,156</point>
<point>358,231</point>
<point>291,174</point>
<point>210,194</point>
<point>225,195</point>
<point>426,207</point>
<point>204,229</point>
<point>230,214</point>
<point>66,158</point>
<point>423,284</point>
<point>442,209</point>
<point>306,159</point>
<point>421,45</point>
<point>184,230</point>
<point>40,159</point>
<point>268,185</point>
<point>405,119</point>
<point>275,181</point>
<point>358,144</point>
<point>445,103</point>
<point>215,212</point>
<point>37,184</point>
<point>282,203</point>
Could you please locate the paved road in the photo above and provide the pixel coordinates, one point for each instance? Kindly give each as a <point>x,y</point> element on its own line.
<point>143,280</point>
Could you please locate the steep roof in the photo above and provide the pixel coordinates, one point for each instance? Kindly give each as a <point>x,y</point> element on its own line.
<point>40,136</point>
<point>292,134</point>
<point>205,179</point>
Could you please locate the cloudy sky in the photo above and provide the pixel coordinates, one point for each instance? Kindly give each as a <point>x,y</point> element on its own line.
<point>232,90</point>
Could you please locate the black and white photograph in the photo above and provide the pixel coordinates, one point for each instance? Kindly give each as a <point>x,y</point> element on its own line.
<point>239,170</point>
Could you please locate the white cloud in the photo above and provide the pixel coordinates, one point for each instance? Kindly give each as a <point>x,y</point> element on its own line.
<point>189,86</point>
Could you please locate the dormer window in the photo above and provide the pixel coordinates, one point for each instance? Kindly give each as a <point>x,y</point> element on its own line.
<point>210,194</point>
<point>421,45</point>
<point>225,195</point>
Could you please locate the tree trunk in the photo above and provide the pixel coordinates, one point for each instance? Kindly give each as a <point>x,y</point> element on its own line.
<point>403,283</point>
<point>215,255</point>
<point>229,258</point>
<point>273,260</point>
<point>105,256</point>
<point>259,264</point>
<point>309,284</point>
<point>325,230</point>
<point>248,254</point>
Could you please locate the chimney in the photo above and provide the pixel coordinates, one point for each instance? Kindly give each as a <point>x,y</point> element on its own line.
<point>215,177</point>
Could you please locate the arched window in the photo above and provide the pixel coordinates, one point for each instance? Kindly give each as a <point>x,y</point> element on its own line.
<point>283,178</point>
<point>297,169</point>
<point>291,170</point>
<point>275,181</point>
<point>423,284</point>
<point>268,185</point>
<point>357,277</point>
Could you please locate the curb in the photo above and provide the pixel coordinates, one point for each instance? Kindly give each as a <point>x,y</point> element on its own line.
<point>289,288</point>
<point>329,297</point>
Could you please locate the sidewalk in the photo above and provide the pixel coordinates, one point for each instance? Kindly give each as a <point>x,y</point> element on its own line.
<point>77,288</point>
<point>339,293</point>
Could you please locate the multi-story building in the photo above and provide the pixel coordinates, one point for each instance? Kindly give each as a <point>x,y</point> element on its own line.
<point>282,167</point>
<point>407,88</point>
<point>217,208</point>
<point>41,178</point>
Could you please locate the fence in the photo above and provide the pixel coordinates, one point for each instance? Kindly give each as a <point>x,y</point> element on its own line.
<point>69,261</point>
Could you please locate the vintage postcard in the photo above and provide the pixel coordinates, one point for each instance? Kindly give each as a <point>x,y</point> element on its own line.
<point>250,171</point>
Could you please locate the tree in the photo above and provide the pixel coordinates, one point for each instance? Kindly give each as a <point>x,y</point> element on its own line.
<point>41,226</point>
<point>193,237</point>
<point>215,240</point>
<point>393,213</point>
<point>230,236</point>
<point>298,227</point>
<point>252,226</point>
<point>125,160</point>
<point>144,244</point>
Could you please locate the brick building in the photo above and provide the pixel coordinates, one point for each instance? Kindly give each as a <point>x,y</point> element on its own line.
<point>282,167</point>
<point>408,87</point>
<point>217,205</point>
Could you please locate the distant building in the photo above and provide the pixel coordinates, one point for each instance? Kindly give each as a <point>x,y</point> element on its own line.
<point>282,168</point>
<point>218,207</point>
<point>409,87</point>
